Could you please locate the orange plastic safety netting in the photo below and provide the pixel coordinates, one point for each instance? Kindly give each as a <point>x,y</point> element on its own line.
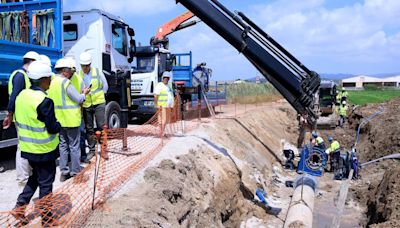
<point>122,152</point>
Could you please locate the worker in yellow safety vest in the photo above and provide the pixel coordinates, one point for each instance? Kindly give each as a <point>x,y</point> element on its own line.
<point>17,82</point>
<point>68,111</point>
<point>318,141</point>
<point>79,85</point>
<point>343,113</point>
<point>95,103</point>
<point>334,155</point>
<point>343,95</point>
<point>164,99</point>
<point>38,139</point>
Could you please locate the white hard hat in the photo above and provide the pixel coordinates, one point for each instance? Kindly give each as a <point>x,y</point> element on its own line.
<point>85,58</point>
<point>344,102</point>
<point>166,74</point>
<point>344,89</point>
<point>72,62</point>
<point>63,63</point>
<point>32,55</point>
<point>46,60</point>
<point>38,69</point>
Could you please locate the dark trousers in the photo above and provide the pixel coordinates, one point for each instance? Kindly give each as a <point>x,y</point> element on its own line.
<point>91,114</point>
<point>43,175</point>
<point>82,143</point>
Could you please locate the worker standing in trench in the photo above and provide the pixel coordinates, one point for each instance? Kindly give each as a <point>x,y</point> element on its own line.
<point>334,155</point>
<point>343,113</point>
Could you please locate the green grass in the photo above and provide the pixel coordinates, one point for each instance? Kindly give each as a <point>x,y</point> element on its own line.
<point>372,96</point>
<point>250,93</point>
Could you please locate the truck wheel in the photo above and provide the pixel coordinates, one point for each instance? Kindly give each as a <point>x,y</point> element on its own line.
<point>113,115</point>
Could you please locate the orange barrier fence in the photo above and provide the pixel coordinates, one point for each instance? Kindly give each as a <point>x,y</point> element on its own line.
<point>122,152</point>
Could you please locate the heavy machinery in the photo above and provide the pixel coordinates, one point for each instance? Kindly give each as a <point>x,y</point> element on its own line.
<point>152,61</point>
<point>328,118</point>
<point>289,76</point>
<point>45,29</point>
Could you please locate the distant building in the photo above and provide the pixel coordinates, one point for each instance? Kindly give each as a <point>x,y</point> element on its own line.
<point>359,82</point>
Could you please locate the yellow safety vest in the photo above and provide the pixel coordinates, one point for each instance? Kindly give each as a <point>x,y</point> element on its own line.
<point>344,94</point>
<point>10,84</point>
<point>338,98</point>
<point>96,95</point>
<point>163,97</point>
<point>77,82</point>
<point>334,146</point>
<point>319,140</point>
<point>68,112</point>
<point>343,110</point>
<point>32,133</point>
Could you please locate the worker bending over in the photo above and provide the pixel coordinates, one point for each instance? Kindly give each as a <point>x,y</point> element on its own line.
<point>318,141</point>
<point>38,139</point>
<point>68,111</point>
<point>17,82</point>
<point>334,155</point>
<point>164,99</point>
<point>95,103</point>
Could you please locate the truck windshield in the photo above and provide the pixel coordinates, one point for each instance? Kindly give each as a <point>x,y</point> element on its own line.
<point>144,64</point>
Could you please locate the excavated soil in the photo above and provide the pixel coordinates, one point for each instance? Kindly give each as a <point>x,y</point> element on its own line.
<point>208,177</point>
<point>379,187</point>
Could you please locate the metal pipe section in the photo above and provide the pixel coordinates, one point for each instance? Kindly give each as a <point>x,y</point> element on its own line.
<point>300,212</point>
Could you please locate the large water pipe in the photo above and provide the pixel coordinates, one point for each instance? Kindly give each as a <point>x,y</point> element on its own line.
<point>300,212</point>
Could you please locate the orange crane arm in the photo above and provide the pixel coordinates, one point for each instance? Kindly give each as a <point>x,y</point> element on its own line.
<point>172,26</point>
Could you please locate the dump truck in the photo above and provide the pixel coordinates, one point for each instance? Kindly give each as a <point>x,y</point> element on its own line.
<point>42,26</point>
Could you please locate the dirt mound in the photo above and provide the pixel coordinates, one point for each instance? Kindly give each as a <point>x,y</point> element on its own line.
<point>187,193</point>
<point>379,187</point>
<point>382,135</point>
<point>384,205</point>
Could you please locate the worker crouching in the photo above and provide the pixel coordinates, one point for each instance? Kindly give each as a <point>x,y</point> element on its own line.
<point>334,155</point>
<point>67,102</point>
<point>38,139</point>
<point>164,100</point>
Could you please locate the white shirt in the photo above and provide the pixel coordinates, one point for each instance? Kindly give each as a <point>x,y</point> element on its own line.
<point>161,86</point>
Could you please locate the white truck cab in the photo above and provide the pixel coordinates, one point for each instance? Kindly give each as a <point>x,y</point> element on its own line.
<point>150,63</point>
<point>110,42</point>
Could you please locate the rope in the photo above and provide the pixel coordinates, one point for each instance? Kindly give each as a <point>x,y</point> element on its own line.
<point>50,29</point>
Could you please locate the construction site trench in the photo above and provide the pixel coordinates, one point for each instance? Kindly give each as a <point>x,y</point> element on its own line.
<point>207,176</point>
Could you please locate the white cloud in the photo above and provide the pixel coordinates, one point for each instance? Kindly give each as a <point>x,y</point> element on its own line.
<point>351,36</point>
<point>123,7</point>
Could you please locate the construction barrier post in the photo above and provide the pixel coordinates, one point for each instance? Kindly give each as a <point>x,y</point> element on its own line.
<point>125,140</point>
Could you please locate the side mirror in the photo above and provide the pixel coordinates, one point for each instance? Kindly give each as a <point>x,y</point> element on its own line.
<point>168,65</point>
<point>131,32</point>
<point>132,50</point>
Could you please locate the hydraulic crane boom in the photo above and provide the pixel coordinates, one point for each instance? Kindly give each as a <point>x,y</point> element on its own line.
<point>172,26</point>
<point>288,75</point>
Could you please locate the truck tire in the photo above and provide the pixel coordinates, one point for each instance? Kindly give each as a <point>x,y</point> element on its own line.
<point>113,115</point>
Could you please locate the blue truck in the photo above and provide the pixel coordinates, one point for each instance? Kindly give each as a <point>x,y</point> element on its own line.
<point>191,82</point>
<point>21,35</point>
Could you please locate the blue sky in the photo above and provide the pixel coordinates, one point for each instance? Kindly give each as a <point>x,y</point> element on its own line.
<point>328,36</point>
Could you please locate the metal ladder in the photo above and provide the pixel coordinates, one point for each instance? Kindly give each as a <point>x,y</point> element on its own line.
<point>209,106</point>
